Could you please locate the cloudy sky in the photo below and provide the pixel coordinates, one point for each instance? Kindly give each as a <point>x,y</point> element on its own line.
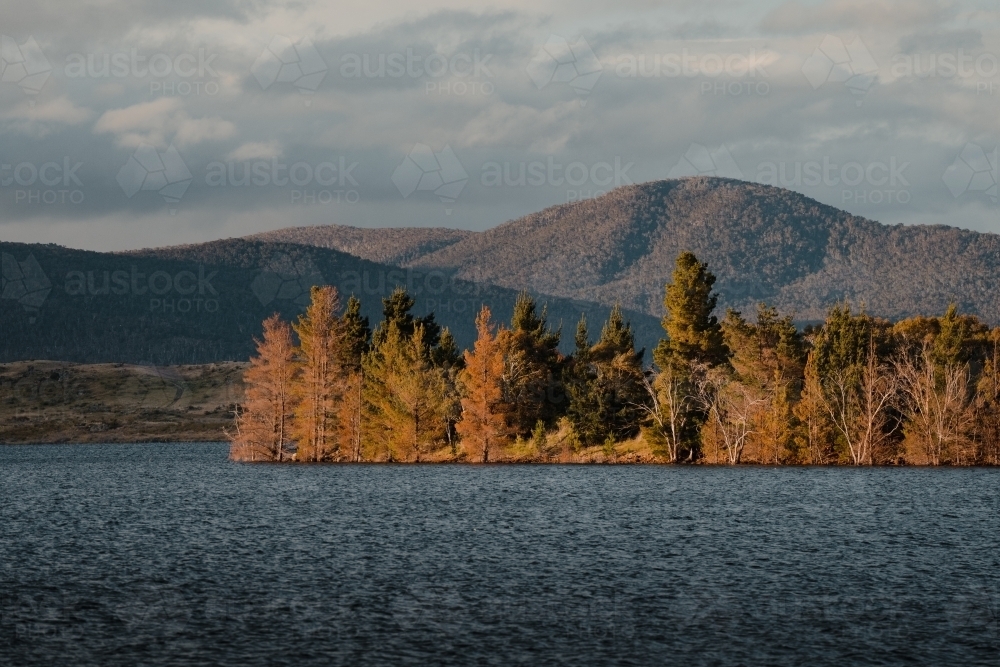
<point>143,123</point>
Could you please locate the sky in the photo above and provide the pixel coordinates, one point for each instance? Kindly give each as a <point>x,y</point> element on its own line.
<point>142,123</point>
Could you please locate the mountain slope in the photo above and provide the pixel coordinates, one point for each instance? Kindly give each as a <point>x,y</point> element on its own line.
<point>763,243</point>
<point>396,246</point>
<point>205,303</point>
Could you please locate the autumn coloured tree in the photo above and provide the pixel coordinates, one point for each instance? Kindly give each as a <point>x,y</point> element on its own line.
<point>405,394</point>
<point>484,428</point>
<point>321,382</point>
<point>854,389</point>
<point>263,424</point>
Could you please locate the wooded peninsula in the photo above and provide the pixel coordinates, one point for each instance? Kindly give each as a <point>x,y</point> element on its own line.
<point>855,390</point>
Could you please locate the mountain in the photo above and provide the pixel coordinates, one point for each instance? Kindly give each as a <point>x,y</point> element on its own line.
<point>205,303</point>
<point>763,243</point>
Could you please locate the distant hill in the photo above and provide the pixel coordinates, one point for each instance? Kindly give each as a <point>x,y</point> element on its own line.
<point>387,245</point>
<point>205,303</point>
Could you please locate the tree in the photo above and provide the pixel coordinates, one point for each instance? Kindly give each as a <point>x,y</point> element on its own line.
<point>607,396</point>
<point>320,386</point>
<point>987,406</point>
<point>356,342</point>
<point>484,427</point>
<point>263,430</point>
<point>672,401</point>
<point>693,344</point>
<point>534,364</point>
<point>856,386</point>
<point>396,310</point>
<point>733,408</point>
<point>768,357</point>
<point>405,396</point>
<point>692,332</point>
<point>579,378</point>
<point>447,357</point>
<point>937,402</point>
<point>858,403</point>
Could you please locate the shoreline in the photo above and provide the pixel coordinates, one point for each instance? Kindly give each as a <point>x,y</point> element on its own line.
<point>548,462</point>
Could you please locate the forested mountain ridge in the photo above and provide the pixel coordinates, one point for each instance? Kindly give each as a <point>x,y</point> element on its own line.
<point>388,245</point>
<point>762,242</point>
<point>205,303</point>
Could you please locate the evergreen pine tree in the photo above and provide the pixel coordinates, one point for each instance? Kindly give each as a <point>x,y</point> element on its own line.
<point>693,333</point>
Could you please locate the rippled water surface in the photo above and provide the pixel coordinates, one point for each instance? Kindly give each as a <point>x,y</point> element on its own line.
<point>171,555</point>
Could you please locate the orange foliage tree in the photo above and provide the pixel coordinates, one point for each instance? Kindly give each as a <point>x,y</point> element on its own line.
<point>320,385</point>
<point>262,424</point>
<point>484,428</point>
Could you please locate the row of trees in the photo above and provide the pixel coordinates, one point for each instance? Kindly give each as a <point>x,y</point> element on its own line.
<point>855,390</point>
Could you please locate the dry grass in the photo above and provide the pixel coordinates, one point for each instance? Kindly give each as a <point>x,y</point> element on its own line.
<point>50,401</point>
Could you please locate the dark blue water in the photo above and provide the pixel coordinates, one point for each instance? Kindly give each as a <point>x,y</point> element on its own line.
<point>171,555</point>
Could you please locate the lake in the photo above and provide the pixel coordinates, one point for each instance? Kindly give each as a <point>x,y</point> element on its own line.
<point>172,555</point>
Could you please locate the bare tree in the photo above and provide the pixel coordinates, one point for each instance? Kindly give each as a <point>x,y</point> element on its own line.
<point>733,408</point>
<point>673,397</point>
<point>937,401</point>
<point>858,402</point>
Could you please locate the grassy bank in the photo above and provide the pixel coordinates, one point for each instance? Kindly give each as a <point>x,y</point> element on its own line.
<point>53,402</point>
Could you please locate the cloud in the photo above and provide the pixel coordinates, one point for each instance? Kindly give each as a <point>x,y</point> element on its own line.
<point>161,122</point>
<point>794,17</point>
<point>368,122</point>
<point>40,119</point>
<point>255,150</point>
